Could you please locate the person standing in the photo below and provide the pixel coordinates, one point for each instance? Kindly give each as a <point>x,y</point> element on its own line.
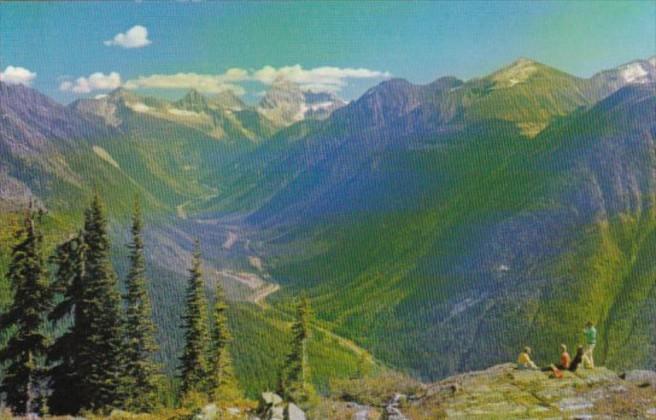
<point>590,333</point>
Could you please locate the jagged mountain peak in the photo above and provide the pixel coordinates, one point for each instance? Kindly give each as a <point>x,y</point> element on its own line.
<point>106,107</point>
<point>521,71</point>
<point>193,101</point>
<point>227,100</point>
<point>395,83</point>
<point>286,103</point>
<point>194,95</point>
<point>639,71</point>
<point>282,83</point>
<point>524,61</point>
<point>281,91</point>
<point>636,72</point>
<point>122,94</point>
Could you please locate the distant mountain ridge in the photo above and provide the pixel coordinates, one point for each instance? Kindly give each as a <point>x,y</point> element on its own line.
<point>466,207</point>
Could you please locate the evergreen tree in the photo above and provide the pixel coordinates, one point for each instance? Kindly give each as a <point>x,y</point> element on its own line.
<point>194,361</point>
<point>23,381</point>
<point>101,361</point>
<point>294,381</point>
<point>97,333</point>
<point>222,383</point>
<point>140,329</point>
<point>64,353</point>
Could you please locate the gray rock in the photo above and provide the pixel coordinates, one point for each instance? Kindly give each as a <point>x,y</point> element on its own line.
<point>640,377</point>
<point>575,404</point>
<point>276,413</point>
<point>294,412</point>
<point>362,414</point>
<point>271,398</point>
<point>392,411</point>
<point>209,412</point>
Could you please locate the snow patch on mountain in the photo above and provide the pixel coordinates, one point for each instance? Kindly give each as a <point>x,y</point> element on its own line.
<point>635,73</point>
<point>183,113</point>
<point>139,107</point>
<point>104,155</point>
<point>518,72</point>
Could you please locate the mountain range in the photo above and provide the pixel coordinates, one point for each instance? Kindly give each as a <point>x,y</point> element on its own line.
<point>440,226</point>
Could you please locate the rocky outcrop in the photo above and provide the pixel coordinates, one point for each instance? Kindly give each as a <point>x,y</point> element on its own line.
<point>506,392</point>
<point>392,409</point>
<point>641,378</point>
<point>272,407</point>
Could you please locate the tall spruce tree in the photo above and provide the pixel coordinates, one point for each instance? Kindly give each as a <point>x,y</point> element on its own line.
<point>63,355</point>
<point>101,362</point>
<point>193,369</point>
<point>140,329</point>
<point>23,381</point>
<point>294,379</point>
<point>222,384</point>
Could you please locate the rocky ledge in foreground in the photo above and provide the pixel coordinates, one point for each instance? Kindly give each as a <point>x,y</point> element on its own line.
<point>505,392</point>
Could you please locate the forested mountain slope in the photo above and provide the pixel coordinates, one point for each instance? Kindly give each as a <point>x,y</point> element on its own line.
<point>421,210</point>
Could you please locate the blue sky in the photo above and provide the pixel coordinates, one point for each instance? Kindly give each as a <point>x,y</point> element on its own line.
<point>356,44</point>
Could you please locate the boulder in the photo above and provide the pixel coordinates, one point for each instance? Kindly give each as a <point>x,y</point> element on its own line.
<point>275,413</point>
<point>294,412</point>
<point>209,412</point>
<point>271,398</point>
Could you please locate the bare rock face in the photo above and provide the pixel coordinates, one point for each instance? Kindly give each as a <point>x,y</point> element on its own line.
<point>15,195</point>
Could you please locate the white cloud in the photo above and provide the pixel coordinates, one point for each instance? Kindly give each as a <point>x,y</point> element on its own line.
<point>319,79</point>
<point>135,37</point>
<point>95,81</point>
<point>17,76</point>
<point>207,83</point>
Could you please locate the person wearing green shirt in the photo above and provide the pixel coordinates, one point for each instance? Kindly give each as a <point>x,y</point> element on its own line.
<point>590,333</point>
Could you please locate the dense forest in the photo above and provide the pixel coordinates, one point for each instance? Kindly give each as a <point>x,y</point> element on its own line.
<point>75,344</point>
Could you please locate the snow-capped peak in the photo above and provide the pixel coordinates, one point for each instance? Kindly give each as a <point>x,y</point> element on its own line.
<point>634,73</point>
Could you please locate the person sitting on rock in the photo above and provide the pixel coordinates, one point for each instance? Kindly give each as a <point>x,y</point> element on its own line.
<point>557,368</point>
<point>590,342</point>
<point>578,358</point>
<point>524,360</point>
<point>565,360</point>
